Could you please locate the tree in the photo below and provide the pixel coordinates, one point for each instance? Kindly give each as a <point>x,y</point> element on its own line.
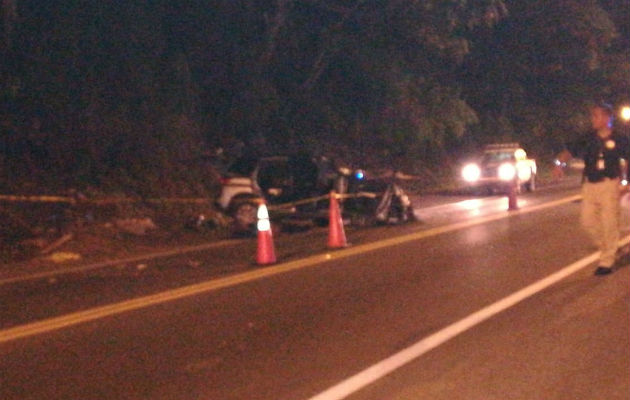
<point>540,66</point>
<point>130,89</point>
<point>387,64</point>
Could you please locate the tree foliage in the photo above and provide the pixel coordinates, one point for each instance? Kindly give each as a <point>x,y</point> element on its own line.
<point>128,95</point>
<point>540,66</point>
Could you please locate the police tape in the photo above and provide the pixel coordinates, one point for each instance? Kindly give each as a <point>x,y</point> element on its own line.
<point>322,197</point>
<point>100,202</point>
<point>128,200</point>
<point>119,200</point>
<point>37,199</point>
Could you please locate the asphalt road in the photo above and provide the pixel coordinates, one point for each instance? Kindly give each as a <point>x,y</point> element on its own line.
<point>411,300</point>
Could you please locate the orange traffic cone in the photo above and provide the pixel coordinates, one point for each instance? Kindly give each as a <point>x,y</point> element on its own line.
<point>512,200</point>
<point>266,253</point>
<point>336,234</point>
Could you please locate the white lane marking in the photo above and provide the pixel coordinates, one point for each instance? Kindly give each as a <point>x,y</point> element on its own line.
<point>403,357</point>
<point>51,324</point>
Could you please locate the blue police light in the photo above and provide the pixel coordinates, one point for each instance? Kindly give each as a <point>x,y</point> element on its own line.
<point>359,175</point>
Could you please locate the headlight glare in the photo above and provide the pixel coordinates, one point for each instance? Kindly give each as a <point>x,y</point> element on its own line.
<point>471,173</point>
<point>507,172</point>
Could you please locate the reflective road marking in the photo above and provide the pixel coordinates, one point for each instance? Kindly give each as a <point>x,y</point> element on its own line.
<point>390,364</point>
<point>64,321</point>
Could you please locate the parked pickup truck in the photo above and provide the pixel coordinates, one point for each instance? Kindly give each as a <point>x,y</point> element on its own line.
<point>500,167</point>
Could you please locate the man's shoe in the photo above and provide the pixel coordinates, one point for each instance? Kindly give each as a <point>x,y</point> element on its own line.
<point>603,271</point>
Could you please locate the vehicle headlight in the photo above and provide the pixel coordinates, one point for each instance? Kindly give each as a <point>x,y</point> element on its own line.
<point>507,172</point>
<point>471,173</point>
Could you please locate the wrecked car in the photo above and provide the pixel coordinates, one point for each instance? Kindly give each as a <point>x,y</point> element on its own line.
<point>297,187</point>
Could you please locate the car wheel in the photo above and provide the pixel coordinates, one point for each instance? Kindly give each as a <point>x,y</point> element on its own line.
<point>244,215</point>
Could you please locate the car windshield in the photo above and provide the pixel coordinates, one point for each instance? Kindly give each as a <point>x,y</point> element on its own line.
<point>498,156</point>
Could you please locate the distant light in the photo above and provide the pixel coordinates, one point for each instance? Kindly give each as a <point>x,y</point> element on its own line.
<point>471,173</point>
<point>507,172</point>
<point>625,113</point>
<point>359,175</point>
<point>344,171</point>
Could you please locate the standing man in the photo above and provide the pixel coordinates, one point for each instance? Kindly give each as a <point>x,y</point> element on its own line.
<point>602,151</point>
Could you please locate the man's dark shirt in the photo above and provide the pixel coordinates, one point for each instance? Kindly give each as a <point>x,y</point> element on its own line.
<point>601,156</point>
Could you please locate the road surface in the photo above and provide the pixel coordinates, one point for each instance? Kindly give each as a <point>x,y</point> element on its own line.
<point>472,303</point>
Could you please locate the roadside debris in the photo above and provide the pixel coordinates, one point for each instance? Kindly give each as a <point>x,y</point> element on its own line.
<point>62,257</point>
<point>141,267</point>
<point>135,226</point>
<point>204,222</point>
<point>57,243</point>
